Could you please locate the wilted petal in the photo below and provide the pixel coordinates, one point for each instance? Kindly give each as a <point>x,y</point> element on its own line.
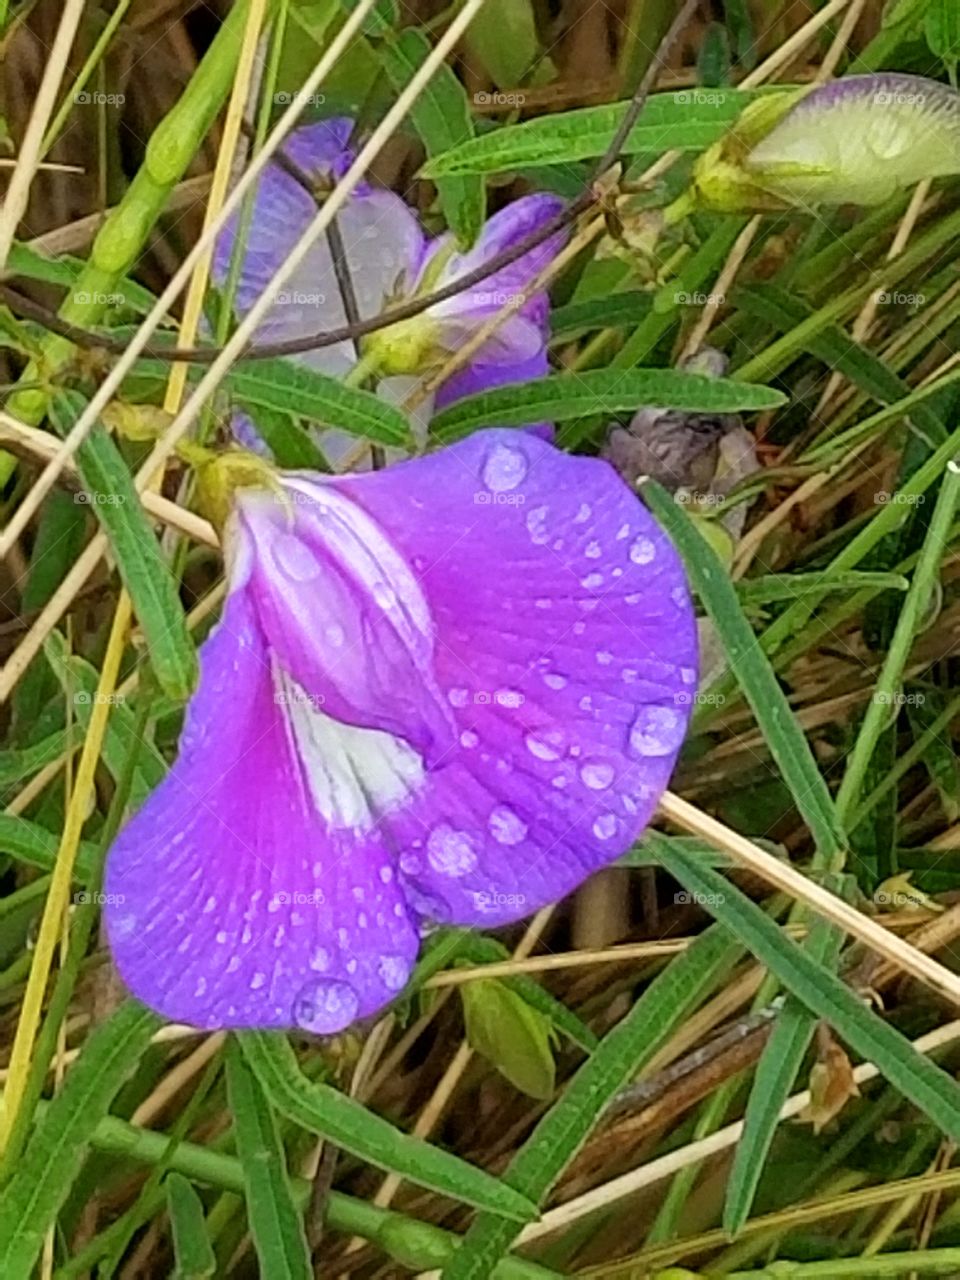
<point>860,140</point>
<point>381,239</point>
<point>253,889</point>
<point>566,649</point>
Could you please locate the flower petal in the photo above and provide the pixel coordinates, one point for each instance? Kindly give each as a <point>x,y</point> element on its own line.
<point>518,340</point>
<point>381,238</point>
<point>566,647</point>
<point>342,610</point>
<point>233,899</point>
<point>860,140</point>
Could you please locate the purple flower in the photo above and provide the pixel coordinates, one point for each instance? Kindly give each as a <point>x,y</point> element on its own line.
<point>443,692</point>
<point>390,260</point>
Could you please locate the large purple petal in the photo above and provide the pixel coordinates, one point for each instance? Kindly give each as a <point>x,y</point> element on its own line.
<point>253,888</point>
<point>566,648</point>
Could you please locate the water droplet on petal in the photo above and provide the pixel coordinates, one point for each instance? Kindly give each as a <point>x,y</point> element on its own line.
<point>468,739</point>
<point>545,745</point>
<point>537,525</point>
<point>688,675</point>
<point>593,550</point>
<point>294,558</point>
<point>554,680</point>
<point>592,581</point>
<point>505,826</point>
<point>385,596</point>
<point>504,468</point>
<point>606,826</point>
<point>458,697</point>
<point>320,960</point>
<point>642,551</point>
<point>334,635</point>
<point>450,852</point>
<point>657,731</point>
<point>596,774</point>
<point>583,514</point>
<point>393,971</point>
<point>325,1007</point>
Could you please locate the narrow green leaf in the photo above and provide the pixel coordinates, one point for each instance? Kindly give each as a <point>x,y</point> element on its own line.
<point>381,19</point>
<point>275,1223</point>
<point>787,586</point>
<point>562,396</point>
<point>666,1003</point>
<point>441,116</point>
<point>687,120</point>
<point>58,1145</point>
<point>834,346</point>
<point>608,312</point>
<point>942,29</point>
<point>146,576</point>
<point>927,1086</point>
<point>503,36</point>
<point>925,707</point>
<point>18,764</point>
<point>330,1113</point>
<point>29,842</point>
<point>783,735</point>
<point>191,1245</point>
<point>773,1083</point>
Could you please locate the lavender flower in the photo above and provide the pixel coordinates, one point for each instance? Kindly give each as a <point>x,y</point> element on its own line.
<point>858,140</point>
<point>390,260</point>
<point>443,692</point>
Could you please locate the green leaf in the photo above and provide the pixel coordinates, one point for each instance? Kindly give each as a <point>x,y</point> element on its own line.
<point>667,1002</point>
<point>942,29</point>
<point>749,664</point>
<point>787,586</point>
<point>927,1086</point>
<point>18,764</point>
<point>330,1113</point>
<point>381,19</point>
<point>29,842</point>
<point>275,1223</point>
<point>441,116</point>
<point>609,312</point>
<point>834,346</point>
<point>191,1245</point>
<point>511,1035</point>
<point>477,948</point>
<point>924,707</point>
<point>503,37</point>
<point>58,1145</point>
<point>772,1084</point>
<point>293,388</point>
<point>688,120</point>
<point>146,575</point>
<point>561,396</point>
